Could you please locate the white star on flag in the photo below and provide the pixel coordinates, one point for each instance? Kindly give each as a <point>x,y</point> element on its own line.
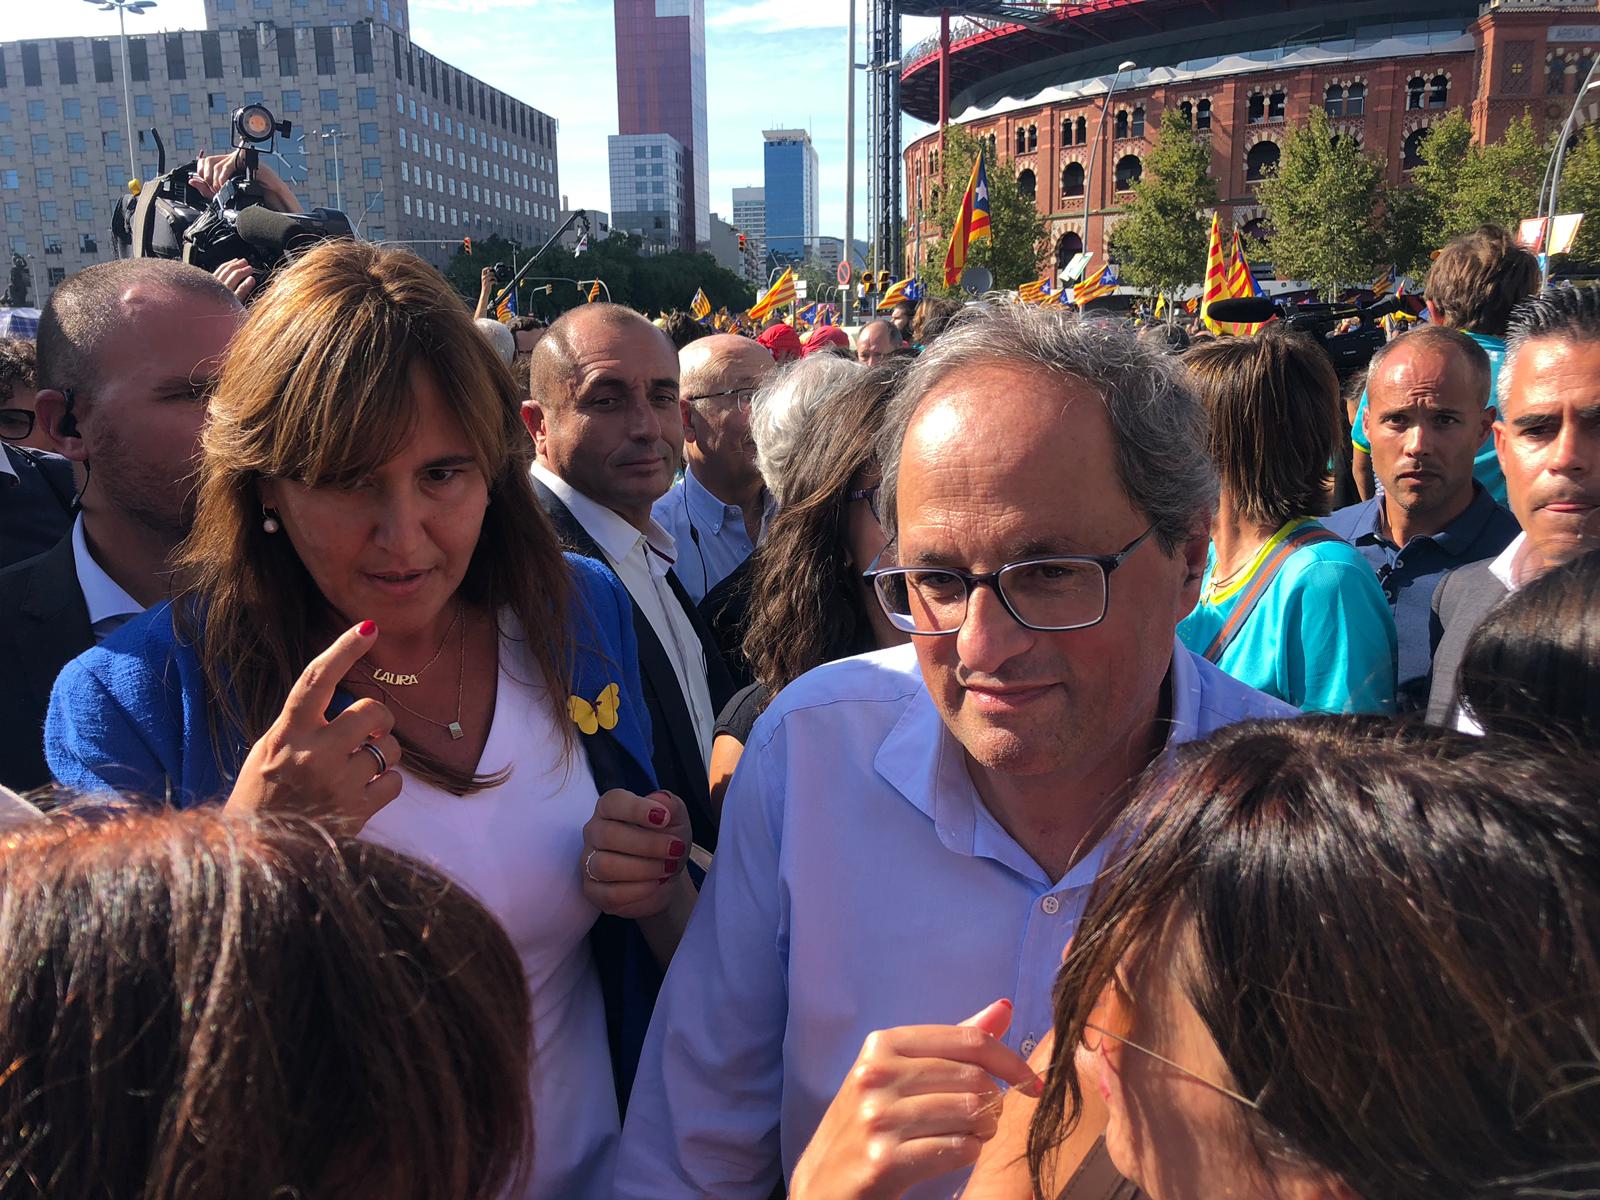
<point>982,194</point>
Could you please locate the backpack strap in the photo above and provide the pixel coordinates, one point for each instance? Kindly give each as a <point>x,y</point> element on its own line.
<point>1308,534</point>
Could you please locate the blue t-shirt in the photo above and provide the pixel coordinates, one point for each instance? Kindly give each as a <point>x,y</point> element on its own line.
<point>1486,467</point>
<point>1320,638</point>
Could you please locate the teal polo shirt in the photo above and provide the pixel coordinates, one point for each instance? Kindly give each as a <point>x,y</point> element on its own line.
<point>1320,638</point>
<point>1486,467</point>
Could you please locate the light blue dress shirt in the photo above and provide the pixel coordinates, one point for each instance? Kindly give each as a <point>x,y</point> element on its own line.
<point>859,884</point>
<point>711,536</point>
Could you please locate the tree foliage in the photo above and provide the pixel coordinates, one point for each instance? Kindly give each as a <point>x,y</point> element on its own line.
<point>651,283</point>
<point>1016,244</point>
<point>1160,242</point>
<point>1579,192</point>
<point>1323,204</point>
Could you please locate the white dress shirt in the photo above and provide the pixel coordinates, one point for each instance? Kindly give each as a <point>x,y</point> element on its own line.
<point>642,560</point>
<point>711,536</point>
<point>1505,568</point>
<point>110,607</point>
<point>859,883</point>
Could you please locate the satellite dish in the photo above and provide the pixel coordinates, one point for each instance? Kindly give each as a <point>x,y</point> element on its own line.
<point>975,281</point>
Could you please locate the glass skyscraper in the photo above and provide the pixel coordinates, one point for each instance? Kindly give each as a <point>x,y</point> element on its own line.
<point>791,195</point>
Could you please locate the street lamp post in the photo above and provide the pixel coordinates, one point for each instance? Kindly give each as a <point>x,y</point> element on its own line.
<point>1558,157</point>
<point>123,7</point>
<point>1088,176</point>
<point>333,135</point>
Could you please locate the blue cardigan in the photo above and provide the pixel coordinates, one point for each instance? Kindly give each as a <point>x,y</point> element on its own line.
<point>131,714</point>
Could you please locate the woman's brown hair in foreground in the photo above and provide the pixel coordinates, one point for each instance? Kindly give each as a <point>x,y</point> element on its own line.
<point>199,1005</point>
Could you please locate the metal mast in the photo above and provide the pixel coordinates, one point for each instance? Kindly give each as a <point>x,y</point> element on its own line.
<point>883,122</point>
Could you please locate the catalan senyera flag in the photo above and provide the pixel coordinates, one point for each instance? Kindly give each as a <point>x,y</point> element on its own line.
<point>1228,277</point>
<point>899,292</point>
<point>700,306</point>
<point>594,292</point>
<point>1243,280</point>
<point>1094,287</point>
<point>780,293</point>
<point>1033,291</point>
<point>972,223</point>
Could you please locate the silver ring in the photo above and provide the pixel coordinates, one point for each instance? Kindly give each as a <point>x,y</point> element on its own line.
<point>589,858</point>
<point>377,755</point>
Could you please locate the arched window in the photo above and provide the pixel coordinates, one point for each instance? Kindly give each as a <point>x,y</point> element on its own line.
<point>1082,127</point>
<point>1028,186</point>
<point>1202,115</point>
<point>1254,230</point>
<point>1129,171</point>
<point>1068,245</point>
<point>1072,179</point>
<point>1585,63</point>
<point>1555,77</point>
<point>1066,131</point>
<point>1120,128</point>
<point>1186,111</point>
<point>1355,103</point>
<point>1333,100</point>
<point>1275,105</point>
<point>1022,141</point>
<point>1262,160</point>
<point>1033,137</point>
<point>1411,155</point>
<point>994,147</point>
<point>1439,91</point>
<point>1415,87</point>
<point>1257,110</point>
<point>1138,121</point>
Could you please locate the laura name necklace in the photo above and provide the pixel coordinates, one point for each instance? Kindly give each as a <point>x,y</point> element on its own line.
<point>452,727</point>
<point>391,679</point>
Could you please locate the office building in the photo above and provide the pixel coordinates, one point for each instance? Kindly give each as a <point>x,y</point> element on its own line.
<point>791,194</point>
<point>733,249</point>
<point>647,173</point>
<point>599,225</point>
<point>661,89</point>
<point>750,217</point>
<point>413,149</point>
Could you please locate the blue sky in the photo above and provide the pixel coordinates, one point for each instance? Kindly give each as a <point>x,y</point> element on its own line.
<point>770,64</point>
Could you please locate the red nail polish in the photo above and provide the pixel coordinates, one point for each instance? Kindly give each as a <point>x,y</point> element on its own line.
<point>658,816</point>
<point>676,849</point>
<point>665,879</point>
<point>368,628</point>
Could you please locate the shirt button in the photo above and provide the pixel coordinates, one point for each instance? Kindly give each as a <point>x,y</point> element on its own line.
<point>1028,1046</point>
<point>1051,905</point>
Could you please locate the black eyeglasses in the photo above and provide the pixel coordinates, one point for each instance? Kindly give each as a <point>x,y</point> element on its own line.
<point>15,424</point>
<point>741,397</point>
<point>1047,594</point>
<point>870,495</point>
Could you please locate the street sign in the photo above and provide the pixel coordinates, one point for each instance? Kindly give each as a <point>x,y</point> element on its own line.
<point>799,289</point>
<point>843,273</point>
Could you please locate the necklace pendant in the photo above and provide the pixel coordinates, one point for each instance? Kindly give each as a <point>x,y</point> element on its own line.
<point>456,731</point>
<point>379,675</point>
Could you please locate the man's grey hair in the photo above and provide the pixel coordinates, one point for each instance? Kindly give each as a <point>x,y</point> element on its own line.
<point>895,340</point>
<point>1158,422</point>
<point>501,340</point>
<point>1444,340</point>
<point>782,411</point>
<point>1564,312</point>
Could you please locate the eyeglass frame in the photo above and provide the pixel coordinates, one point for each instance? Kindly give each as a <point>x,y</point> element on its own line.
<point>746,396</point>
<point>32,420</point>
<point>1239,1097</point>
<point>870,495</point>
<point>991,579</point>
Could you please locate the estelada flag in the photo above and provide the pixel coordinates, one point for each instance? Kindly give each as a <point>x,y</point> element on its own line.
<point>972,223</point>
<point>1094,288</point>
<point>508,307</point>
<point>700,306</point>
<point>899,292</point>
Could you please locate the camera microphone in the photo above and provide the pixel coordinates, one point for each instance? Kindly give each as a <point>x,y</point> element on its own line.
<point>277,233</point>
<point>1245,311</point>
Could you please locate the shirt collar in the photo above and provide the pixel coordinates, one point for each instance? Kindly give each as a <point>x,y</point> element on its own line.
<point>1457,537</point>
<point>615,536</point>
<point>103,596</point>
<point>8,473</point>
<point>1365,529</point>
<point>708,512</point>
<point>1504,568</point>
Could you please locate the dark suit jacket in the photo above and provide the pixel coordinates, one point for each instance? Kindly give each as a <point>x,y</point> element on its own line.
<point>1460,602</point>
<point>36,510</point>
<point>675,751</point>
<point>726,609</point>
<point>46,626</point>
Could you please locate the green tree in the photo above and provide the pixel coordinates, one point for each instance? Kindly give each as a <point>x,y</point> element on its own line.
<point>1160,242</point>
<point>1418,216</point>
<point>1016,244</point>
<point>1323,204</point>
<point>1579,192</point>
<point>1499,182</point>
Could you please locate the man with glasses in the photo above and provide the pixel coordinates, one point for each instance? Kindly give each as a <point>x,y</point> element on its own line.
<point>128,352</point>
<point>36,487</point>
<point>912,833</point>
<point>717,511</point>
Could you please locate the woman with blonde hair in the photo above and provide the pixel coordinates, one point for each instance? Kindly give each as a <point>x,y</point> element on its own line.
<point>365,508</point>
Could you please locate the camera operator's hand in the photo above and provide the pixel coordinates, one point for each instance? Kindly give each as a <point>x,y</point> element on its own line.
<point>213,170</point>
<point>485,289</point>
<point>238,276</point>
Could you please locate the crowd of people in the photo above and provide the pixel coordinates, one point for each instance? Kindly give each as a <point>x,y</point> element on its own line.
<point>968,757</point>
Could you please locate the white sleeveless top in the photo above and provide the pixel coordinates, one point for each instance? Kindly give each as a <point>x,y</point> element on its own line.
<point>517,849</point>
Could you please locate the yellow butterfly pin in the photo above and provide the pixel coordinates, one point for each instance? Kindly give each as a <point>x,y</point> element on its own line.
<point>602,714</point>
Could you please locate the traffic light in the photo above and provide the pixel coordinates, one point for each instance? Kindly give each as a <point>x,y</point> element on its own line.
<point>741,241</point>
<point>466,245</point>
<point>868,282</point>
<point>883,281</point>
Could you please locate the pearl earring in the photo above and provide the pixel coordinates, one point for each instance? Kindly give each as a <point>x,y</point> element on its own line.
<point>270,521</point>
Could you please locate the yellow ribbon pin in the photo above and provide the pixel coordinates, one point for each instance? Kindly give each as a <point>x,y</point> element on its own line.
<point>602,714</point>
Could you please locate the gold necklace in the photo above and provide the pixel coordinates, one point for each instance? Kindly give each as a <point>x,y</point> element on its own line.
<point>452,727</point>
<point>381,676</point>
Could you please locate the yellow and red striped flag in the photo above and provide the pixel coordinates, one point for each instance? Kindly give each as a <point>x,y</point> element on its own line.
<point>1228,277</point>
<point>1094,287</point>
<point>594,292</point>
<point>897,294</point>
<point>778,294</point>
<point>972,223</point>
<point>1032,292</point>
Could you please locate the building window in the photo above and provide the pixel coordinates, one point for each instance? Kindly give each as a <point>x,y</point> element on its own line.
<point>66,62</point>
<point>100,51</point>
<point>1411,150</point>
<point>1438,91</point>
<point>176,67</point>
<point>36,110</point>
<point>1333,100</point>
<point>328,99</point>
<point>31,76</point>
<point>1033,137</point>
<point>405,205</point>
<point>249,54</point>
<point>1355,103</point>
<point>1066,131</point>
<point>367,98</point>
<point>184,139</point>
<point>1256,111</point>
<point>291,102</point>
<point>322,41</point>
<point>1416,87</point>
<point>1119,128</point>
<point>217,102</point>
<point>1028,186</point>
<point>1186,113</point>
<point>1262,160</point>
<point>369,133</point>
<point>52,243</point>
<point>1202,114</point>
<point>44,178</point>
<point>41,145</point>
<point>80,179</point>
<point>76,143</point>
<point>1129,171</point>
<point>221,140</point>
<point>111,141</point>
<point>288,64</point>
<point>55,275</point>
<point>374,201</point>
<point>180,104</point>
<point>108,106</point>
<point>143,107</point>
<point>1275,105</point>
<point>138,60</point>
<point>48,211</point>
<point>84,209</point>
<point>1137,128</point>
<point>87,244</point>
<point>372,168</point>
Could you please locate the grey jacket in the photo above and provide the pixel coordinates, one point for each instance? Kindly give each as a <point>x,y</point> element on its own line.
<point>1460,602</point>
